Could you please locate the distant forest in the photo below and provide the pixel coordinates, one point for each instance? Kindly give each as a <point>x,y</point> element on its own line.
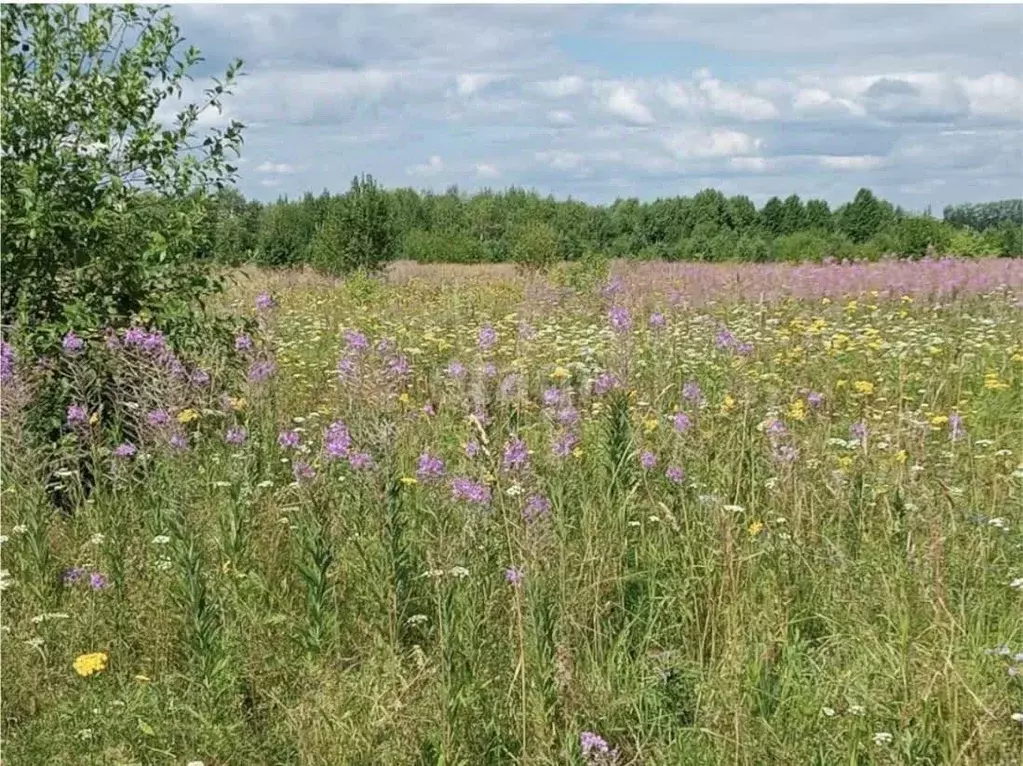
<point>370,225</point>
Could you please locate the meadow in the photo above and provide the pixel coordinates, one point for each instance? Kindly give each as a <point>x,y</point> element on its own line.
<point>688,514</point>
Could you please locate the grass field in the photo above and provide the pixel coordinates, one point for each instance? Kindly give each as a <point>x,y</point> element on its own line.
<point>690,515</point>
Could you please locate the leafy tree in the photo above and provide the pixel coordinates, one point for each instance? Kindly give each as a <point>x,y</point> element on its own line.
<point>772,217</point>
<point>865,216</point>
<point>358,232</point>
<point>818,215</point>
<point>104,206</point>
<point>793,215</point>
<point>535,247</point>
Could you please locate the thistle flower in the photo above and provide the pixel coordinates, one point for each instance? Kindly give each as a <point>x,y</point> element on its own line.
<point>154,341</point>
<point>355,340</point>
<point>814,399</point>
<point>455,370</point>
<point>125,451</point>
<point>76,415</point>
<point>289,439</point>
<point>261,371</point>
<point>398,367</point>
<point>302,471</point>
<point>134,336</point>
<point>516,455</point>
<point>361,461</point>
<point>235,435</point>
<point>724,340</point>
<point>552,397</point>
<point>657,321</point>
<point>178,441</point>
<point>6,361</point>
<point>336,440</point>
<point>682,422</point>
<point>265,301</point>
<point>430,467</point>
<point>564,444</point>
<point>72,344</point>
<point>620,319</point>
<point>486,338</point>
<point>675,474</point>
<point>242,342</point>
<point>98,581</point>
<point>513,575</point>
<point>72,575</point>
<point>567,416</point>
<point>536,506</point>
<point>605,382</point>
<point>648,459</point>
<point>158,418</point>
<point>348,366</point>
<point>470,491</point>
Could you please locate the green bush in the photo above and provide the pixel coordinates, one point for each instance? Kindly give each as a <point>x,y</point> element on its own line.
<point>357,232</point>
<point>534,247</point>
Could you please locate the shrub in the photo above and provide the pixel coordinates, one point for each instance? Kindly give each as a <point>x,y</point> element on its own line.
<point>534,247</point>
<point>358,231</point>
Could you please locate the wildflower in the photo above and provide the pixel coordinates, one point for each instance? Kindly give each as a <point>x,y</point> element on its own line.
<point>361,461</point>
<point>460,572</point>
<point>473,492</point>
<point>430,467</point>
<point>864,387</point>
<point>161,540</point>
<point>76,415</point>
<point>682,422</point>
<point>882,738</point>
<point>428,410</point>
<point>526,332</point>
<point>755,528</point>
<point>72,344</point>
<point>187,416</point>
<point>134,336</point>
<point>516,455</point>
<point>235,435</point>
<point>560,374</point>
<point>489,370</point>
<point>455,370</point>
<point>302,471</point>
<point>178,441</point>
<point>265,301</point>
<point>814,399</point>
<point>472,448</point>
<point>727,404</point>
<point>5,579</point>
<point>858,431</point>
<point>242,342</point>
<point>199,378</point>
<point>513,575</point>
<point>355,340</point>
<point>289,439</point>
<point>775,428</point>
<point>724,340</point>
<point>153,342</point>
<point>785,453</point>
<point>1017,583</point>
<point>595,749</point>
<point>605,382</point>
<point>797,410</point>
<point>336,440</point>
<point>125,451</point>
<point>691,392</point>
<point>398,366</point>
<point>509,387</point>
<point>648,460</point>
<point>6,361</point>
<point>486,338</point>
<point>955,427</point>
<point>567,416</point>
<point>675,474</point>
<point>657,321</point>
<point>261,371</point>
<point>87,664</point>
<point>620,319</point>
<point>72,575</point>
<point>97,581</point>
<point>158,418</point>
<point>564,444</point>
<point>536,506</point>
<point>552,397</point>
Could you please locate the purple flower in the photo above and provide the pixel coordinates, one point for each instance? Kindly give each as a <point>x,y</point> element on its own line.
<point>289,439</point>
<point>487,338</point>
<point>428,410</point>
<point>158,418</point>
<point>489,370</point>
<point>361,461</point>
<point>384,346</point>
<point>125,451</point>
<point>620,319</point>
<point>612,287</point>
<point>76,415</point>
<point>691,392</point>
<point>785,453</point>
<point>265,301</point>
<point>355,340</point>
<point>110,338</point>
<point>337,441</point>
<point>858,431</point>
<point>430,467</point>
<point>134,336</point>
<point>398,367</point>
<point>199,378</point>
<point>242,342</point>
<point>6,361</point>
<point>956,431</point>
<point>657,320</point>
<point>261,371</point>
<point>348,367</point>
<point>648,459</point>
<point>513,575</point>
<point>177,369</point>
<point>73,575</point>
<point>552,397</point>
<point>235,435</point>
<point>814,399</point>
<point>568,416</point>
<point>724,340</point>
<point>154,341</point>
<point>676,474</point>
<point>98,581</point>
<point>72,344</point>
<point>178,441</point>
<point>516,455</point>
<point>563,445</point>
<point>302,471</point>
<point>775,428</point>
<point>470,491</point>
<point>472,448</point>
<point>595,748</point>
<point>682,422</point>
<point>605,382</point>
<point>455,370</point>
<point>536,506</point>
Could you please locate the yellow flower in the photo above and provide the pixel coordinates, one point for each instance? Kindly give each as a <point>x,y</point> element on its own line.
<point>408,481</point>
<point>577,452</point>
<point>87,664</point>
<point>94,419</point>
<point>797,410</point>
<point>939,420</point>
<point>650,425</point>
<point>851,306</point>
<point>841,383</point>
<point>992,383</point>
<point>187,416</point>
<point>728,404</point>
<point>863,387</point>
<point>404,398</point>
<point>845,461</point>
<point>237,404</point>
<point>756,528</point>
<point>560,373</point>
<point>900,456</point>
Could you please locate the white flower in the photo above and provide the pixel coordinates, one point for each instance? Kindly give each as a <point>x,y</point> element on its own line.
<point>221,484</point>
<point>998,522</point>
<point>514,490</point>
<point>1017,583</point>
<point>856,709</point>
<point>433,573</point>
<point>3,539</point>
<point>161,540</point>
<point>49,616</point>
<point>97,539</point>
<point>417,619</point>
<point>162,564</point>
<point>195,763</point>
<point>265,484</point>
<point>5,579</point>
<point>829,712</point>
<point>1017,717</point>
<point>460,572</point>
<point>882,738</point>
<point>734,508</point>
<point>19,529</point>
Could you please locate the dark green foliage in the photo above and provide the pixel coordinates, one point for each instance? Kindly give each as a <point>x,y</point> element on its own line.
<point>105,209</point>
<point>864,217</point>
<point>987,215</point>
<point>535,246</point>
<point>357,231</point>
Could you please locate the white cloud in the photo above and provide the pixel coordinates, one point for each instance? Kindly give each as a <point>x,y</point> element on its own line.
<point>275,167</point>
<point>624,102</point>
<point>751,164</point>
<point>433,167</point>
<point>560,117</point>
<point>994,95</point>
<point>732,102</point>
<point>857,162</point>
<point>486,170</point>
<point>561,159</point>
<point>699,144</point>
<point>467,84</point>
<point>567,85</point>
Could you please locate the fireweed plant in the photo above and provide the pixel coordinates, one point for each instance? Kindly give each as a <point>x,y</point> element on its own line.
<point>689,515</point>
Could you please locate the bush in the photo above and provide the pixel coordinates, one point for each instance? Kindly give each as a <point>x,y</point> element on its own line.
<point>358,231</point>
<point>534,247</point>
<point>441,247</point>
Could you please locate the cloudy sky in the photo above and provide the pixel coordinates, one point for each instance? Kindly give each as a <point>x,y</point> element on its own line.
<point>924,104</point>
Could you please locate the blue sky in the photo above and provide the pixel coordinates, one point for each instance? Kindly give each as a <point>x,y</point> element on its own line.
<point>924,104</point>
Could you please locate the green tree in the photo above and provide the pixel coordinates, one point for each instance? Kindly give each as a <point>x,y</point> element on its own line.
<point>105,207</point>
<point>357,233</point>
<point>864,217</point>
<point>772,217</point>
<point>534,247</point>
<point>818,215</point>
<point>793,215</point>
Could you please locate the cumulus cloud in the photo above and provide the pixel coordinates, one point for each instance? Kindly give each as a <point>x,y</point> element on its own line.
<point>623,102</point>
<point>274,167</point>
<point>860,162</point>
<point>712,143</point>
<point>566,85</point>
<point>434,166</point>
<point>487,170</point>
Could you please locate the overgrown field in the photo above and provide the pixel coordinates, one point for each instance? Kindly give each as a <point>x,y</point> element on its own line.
<point>690,515</point>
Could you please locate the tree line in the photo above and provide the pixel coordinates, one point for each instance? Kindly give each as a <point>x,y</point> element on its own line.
<point>369,226</point>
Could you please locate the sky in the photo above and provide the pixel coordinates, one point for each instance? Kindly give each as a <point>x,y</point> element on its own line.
<point>923,104</point>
